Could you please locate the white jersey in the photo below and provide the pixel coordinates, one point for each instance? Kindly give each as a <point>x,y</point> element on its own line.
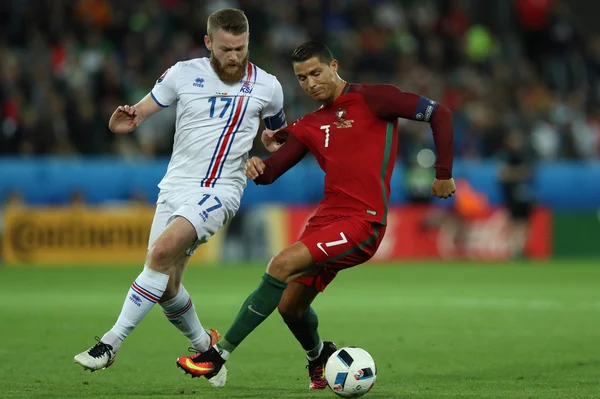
<point>216,122</point>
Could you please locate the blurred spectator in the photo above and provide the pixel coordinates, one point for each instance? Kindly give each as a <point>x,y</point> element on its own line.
<point>565,68</point>
<point>533,18</point>
<point>66,65</point>
<point>515,178</point>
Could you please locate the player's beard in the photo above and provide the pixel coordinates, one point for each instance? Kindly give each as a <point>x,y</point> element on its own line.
<point>229,75</point>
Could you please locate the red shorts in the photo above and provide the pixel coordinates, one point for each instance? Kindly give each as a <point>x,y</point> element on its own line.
<point>338,243</point>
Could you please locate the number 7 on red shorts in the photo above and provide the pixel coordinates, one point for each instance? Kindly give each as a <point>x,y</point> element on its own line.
<point>339,244</point>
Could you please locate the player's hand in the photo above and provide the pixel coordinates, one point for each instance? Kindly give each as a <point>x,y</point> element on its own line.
<point>443,188</point>
<point>125,119</point>
<point>268,139</point>
<point>254,168</point>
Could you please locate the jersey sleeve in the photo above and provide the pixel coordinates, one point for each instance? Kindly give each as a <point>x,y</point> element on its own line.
<point>165,91</point>
<point>294,128</point>
<point>288,155</point>
<point>273,114</point>
<point>389,102</point>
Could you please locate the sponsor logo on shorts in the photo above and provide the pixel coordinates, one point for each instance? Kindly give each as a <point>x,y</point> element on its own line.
<point>343,240</point>
<point>204,215</point>
<point>320,245</point>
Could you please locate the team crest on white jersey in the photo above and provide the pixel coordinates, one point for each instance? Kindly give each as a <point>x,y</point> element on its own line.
<point>247,88</point>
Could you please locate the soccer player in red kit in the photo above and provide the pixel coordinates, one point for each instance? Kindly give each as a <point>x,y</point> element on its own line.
<point>353,135</point>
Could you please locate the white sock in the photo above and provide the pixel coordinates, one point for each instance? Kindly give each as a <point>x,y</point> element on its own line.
<point>313,354</point>
<point>145,291</point>
<point>182,313</point>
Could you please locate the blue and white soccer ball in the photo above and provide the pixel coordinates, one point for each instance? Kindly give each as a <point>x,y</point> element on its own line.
<point>350,372</point>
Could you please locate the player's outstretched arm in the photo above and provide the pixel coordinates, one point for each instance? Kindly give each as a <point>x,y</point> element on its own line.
<point>269,170</point>
<point>127,118</point>
<point>389,102</point>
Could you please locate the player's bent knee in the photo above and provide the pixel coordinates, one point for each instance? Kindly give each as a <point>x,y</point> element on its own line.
<point>291,263</point>
<point>286,268</point>
<point>160,257</point>
<point>281,267</point>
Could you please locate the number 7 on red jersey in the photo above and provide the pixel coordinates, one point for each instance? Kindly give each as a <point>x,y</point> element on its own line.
<point>326,128</point>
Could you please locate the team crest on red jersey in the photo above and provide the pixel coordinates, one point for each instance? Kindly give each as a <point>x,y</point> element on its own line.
<point>340,119</point>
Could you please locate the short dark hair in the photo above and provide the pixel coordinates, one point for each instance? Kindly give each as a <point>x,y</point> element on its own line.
<point>230,20</point>
<point>311,49</point>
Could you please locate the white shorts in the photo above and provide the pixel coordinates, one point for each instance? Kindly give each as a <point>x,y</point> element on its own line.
<point>206,209</point>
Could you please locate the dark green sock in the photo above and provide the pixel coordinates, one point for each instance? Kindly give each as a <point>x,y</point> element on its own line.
<point>259,305</point>
<point>305,329</point>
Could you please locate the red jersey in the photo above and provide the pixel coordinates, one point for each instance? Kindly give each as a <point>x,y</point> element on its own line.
<point>354,139</point>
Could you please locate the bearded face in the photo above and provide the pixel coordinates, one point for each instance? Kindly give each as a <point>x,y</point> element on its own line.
<point>229,71</point>
<point>228,55</point>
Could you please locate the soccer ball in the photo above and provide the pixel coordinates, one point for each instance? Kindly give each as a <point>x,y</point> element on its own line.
<point>350,372</point>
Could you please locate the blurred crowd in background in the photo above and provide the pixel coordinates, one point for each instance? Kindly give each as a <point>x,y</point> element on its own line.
<point>520,67</point>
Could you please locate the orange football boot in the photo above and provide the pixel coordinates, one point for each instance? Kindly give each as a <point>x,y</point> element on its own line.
<point>196,366</point>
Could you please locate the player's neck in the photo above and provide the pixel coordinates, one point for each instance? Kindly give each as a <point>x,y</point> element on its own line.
<point>341,85</point>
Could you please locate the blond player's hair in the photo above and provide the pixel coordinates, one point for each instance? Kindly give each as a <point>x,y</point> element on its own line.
<point>230,20</point>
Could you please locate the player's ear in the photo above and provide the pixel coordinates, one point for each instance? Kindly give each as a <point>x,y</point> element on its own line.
<point>207,43</point>
<point>334,65</point>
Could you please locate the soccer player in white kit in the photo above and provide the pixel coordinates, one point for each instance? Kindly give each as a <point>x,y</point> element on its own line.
<point>220,103</point>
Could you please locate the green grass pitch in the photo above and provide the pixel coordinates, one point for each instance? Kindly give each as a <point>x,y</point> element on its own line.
<point>446,330</point>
